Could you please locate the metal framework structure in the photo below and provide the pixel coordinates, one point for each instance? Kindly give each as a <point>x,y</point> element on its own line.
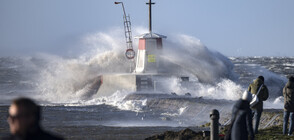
<point>130,53</point>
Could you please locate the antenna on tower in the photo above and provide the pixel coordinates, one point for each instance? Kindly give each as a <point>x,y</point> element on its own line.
<point>150,15</point>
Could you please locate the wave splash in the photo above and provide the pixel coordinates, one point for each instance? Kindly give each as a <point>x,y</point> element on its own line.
<point>68,81</point>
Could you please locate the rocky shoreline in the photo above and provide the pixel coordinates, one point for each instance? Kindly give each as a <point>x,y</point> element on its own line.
<point>270,128</point>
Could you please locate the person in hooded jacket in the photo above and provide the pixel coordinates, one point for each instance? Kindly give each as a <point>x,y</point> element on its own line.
<point>262,96</point>
<point>288,93</point>
<point>242,119</point>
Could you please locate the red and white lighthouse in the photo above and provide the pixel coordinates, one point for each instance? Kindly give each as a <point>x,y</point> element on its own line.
<point>149,49</point>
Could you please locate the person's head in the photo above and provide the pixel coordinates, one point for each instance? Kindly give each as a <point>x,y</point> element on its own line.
<point>261,78</point>
<point>291,79</point>
<point>24,115</point>
<point>246,96</point>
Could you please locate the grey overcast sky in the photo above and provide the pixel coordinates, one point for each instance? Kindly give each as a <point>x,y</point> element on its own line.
<point>234,28</point>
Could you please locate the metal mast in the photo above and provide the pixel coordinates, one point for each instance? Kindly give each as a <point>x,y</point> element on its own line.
<point>150,16</point>
<point>130,53</point>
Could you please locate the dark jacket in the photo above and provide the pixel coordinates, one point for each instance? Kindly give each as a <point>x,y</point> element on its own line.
<point>39,134</point>
<point>262,96</point>
<point>242,121</point>
<point>288,93</point>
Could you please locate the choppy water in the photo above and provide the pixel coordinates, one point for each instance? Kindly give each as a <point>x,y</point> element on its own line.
<point>19,77</point>
<point>62,87</point>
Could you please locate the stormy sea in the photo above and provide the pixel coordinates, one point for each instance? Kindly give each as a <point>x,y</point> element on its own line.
<point>62,86</point>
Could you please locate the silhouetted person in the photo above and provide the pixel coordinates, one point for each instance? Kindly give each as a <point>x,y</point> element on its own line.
<point>262,96</point>
<point>241,122</point>
<point>288,93</point>
<point>24,121</point>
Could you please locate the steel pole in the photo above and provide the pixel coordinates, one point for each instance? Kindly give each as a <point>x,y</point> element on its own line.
<point>150,18</point>
<point>125,16</point>
<point>214,125</point>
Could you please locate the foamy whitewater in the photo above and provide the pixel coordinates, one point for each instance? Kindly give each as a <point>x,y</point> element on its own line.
<point>58,81</point>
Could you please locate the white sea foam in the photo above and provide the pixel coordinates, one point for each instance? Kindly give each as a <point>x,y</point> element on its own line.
<point>117,100</point>
<point>278,103</point>
<point>189,56</point>
<point>224,89</point>
<point>288,64</point>
<point>179,112</point>
<point>69,80</point>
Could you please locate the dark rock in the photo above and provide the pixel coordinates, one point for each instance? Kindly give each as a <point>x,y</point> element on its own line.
<point>186,134</point>
<point>173,93</point>
<point>188,94</point>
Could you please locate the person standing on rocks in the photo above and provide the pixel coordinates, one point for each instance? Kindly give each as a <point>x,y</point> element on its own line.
<point>258,85</point>
<point>288,93</point>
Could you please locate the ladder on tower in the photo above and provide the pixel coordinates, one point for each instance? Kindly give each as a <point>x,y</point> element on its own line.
<point>130,53</point>
<point>128,33</point>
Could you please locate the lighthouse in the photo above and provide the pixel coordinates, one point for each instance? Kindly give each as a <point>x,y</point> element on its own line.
<point>149,50</point>
<point>149,75</point>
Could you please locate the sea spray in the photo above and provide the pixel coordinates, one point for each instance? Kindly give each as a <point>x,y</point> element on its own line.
<point>194,58</point>
<point>58,80</point>
<point>68,79</point>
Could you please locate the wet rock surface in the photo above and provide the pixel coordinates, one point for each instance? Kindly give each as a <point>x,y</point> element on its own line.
<point>186,134</point>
